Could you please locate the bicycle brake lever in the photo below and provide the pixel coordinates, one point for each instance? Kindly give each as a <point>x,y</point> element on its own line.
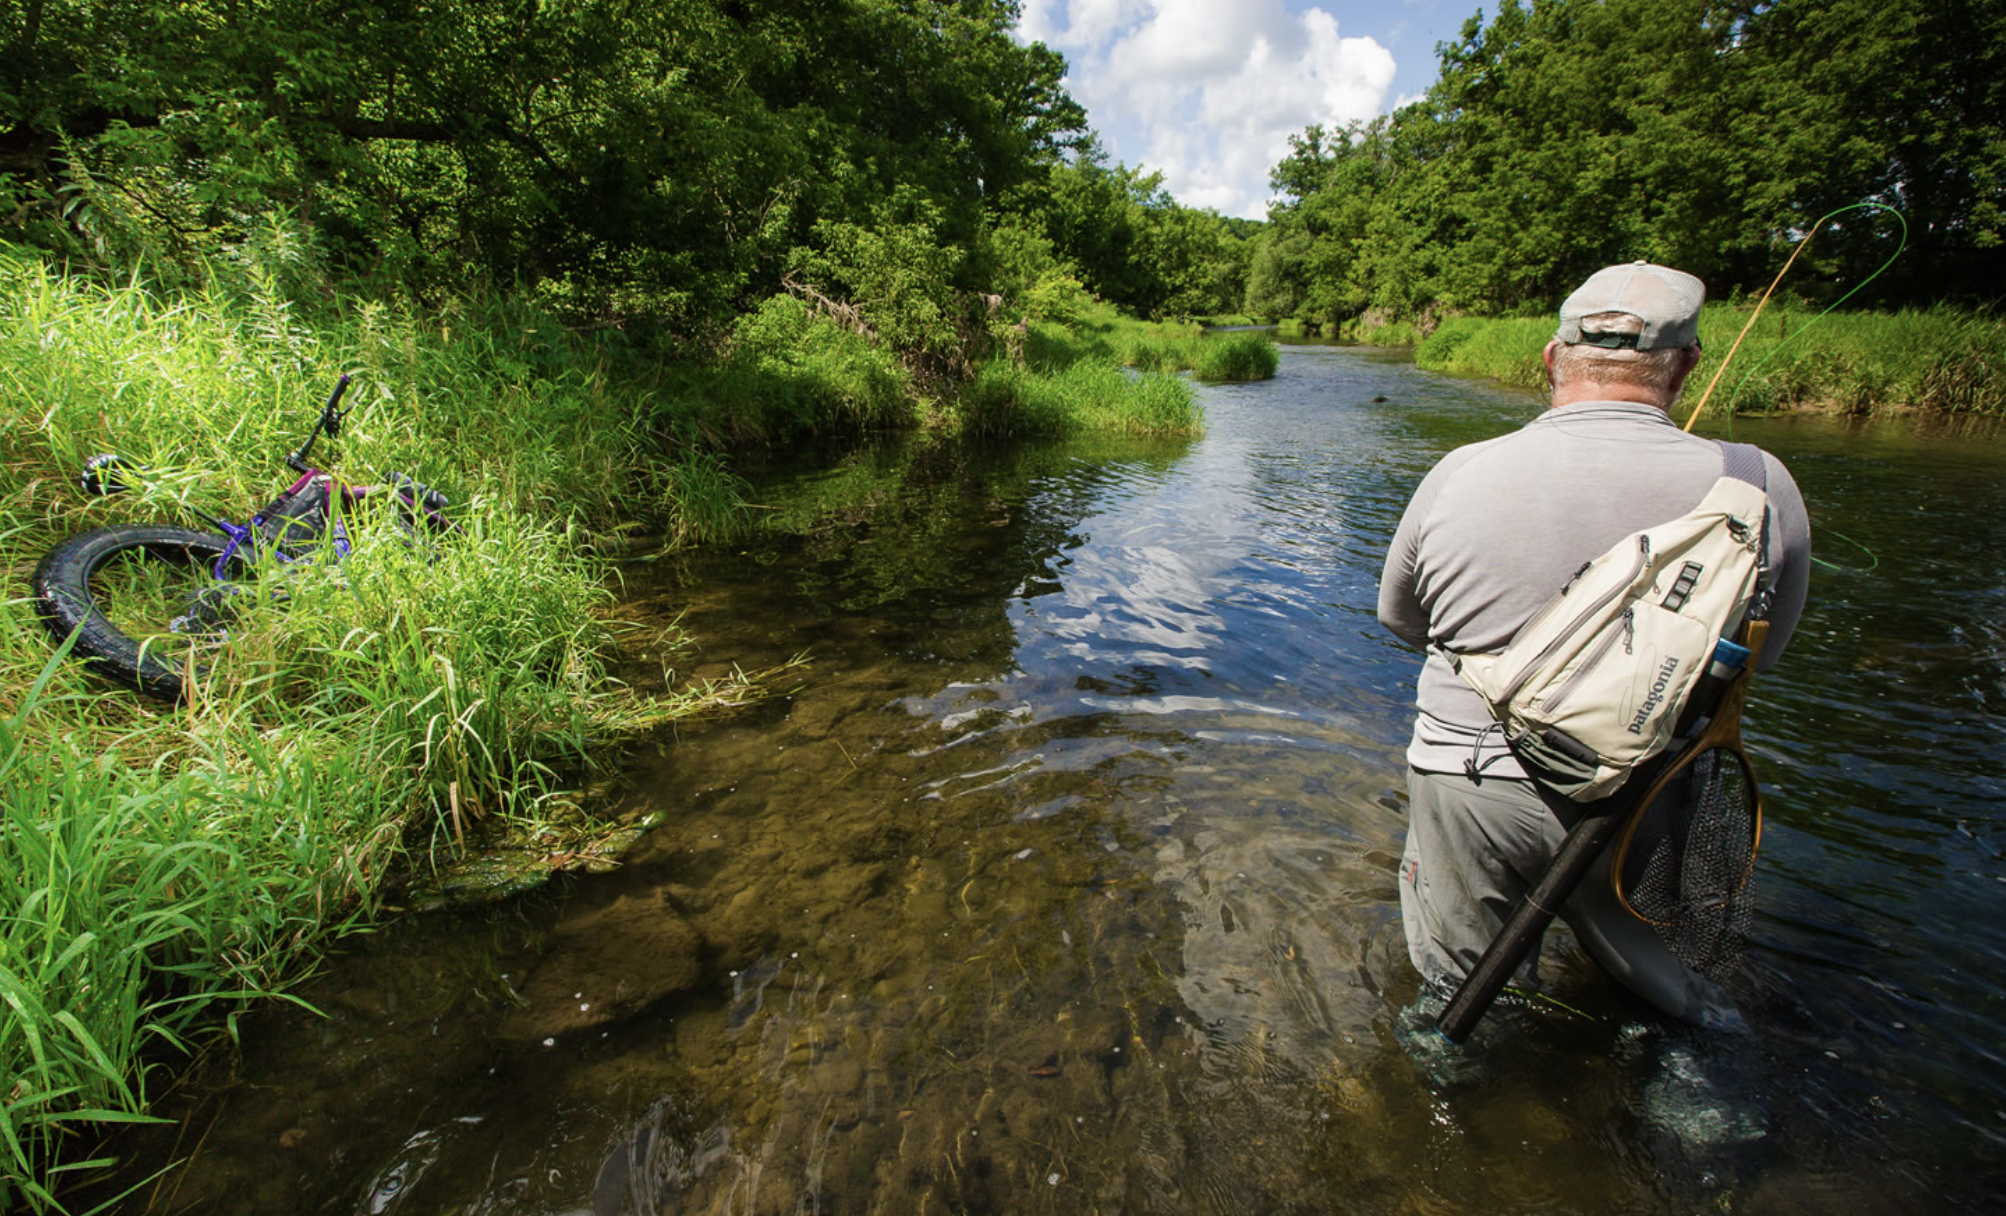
<point>331,415</point>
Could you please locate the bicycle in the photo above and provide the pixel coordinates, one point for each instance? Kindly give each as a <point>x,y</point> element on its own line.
<point>112,587</point>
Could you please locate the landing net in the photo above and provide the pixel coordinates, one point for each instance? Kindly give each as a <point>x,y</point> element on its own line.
<point>1688,869</point>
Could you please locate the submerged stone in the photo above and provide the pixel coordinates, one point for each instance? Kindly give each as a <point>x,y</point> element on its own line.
<point>604,966</point>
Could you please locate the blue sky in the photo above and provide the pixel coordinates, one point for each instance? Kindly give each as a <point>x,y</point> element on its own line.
<point>1207,92</point>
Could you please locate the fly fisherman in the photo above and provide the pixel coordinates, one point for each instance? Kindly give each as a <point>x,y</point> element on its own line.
<point>1489,536</point>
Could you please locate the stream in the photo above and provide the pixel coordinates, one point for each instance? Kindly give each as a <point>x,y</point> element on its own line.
<point>1064,881</point>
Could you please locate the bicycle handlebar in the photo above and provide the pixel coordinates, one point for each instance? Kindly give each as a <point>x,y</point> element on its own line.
<point>330,421</point>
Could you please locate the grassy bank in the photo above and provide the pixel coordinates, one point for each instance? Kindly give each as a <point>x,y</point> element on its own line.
<point>1941,360</point>
<point>168,862</point>
<point>1102,334</point>
<point>787,372</point>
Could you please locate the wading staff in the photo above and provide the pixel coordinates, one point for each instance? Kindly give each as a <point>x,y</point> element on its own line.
<point>1599,824</point>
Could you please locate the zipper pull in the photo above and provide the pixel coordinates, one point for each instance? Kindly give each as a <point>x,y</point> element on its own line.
<point>1629,631</point>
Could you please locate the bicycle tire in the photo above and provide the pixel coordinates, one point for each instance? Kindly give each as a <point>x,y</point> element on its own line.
<point>68,604</point>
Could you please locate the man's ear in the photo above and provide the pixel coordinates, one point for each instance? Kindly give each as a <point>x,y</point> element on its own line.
<point>1546,357</point>
<point>1690,360</point>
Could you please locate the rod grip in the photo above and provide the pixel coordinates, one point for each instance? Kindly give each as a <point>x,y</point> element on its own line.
<point>1535,911</point>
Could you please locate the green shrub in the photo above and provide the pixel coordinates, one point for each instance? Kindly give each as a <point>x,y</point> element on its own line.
<point>791,371</point>
<point>1057,296</point>
<point>896,273</point>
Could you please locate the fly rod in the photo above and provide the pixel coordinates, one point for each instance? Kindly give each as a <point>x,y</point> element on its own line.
<point>1764,301</point>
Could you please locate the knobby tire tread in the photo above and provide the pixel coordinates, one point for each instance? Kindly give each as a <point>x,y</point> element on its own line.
<point>62,586</point>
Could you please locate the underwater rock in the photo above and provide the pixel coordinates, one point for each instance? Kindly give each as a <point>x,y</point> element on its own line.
<point>1698,1106</point>
<point>604,965</point>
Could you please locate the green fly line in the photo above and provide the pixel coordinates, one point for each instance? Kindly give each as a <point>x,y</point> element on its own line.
<point>1719,371</point>
<point>1534,996</point>
<point>1872,560</point>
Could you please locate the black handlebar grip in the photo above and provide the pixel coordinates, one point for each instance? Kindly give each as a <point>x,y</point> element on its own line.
<point>418,493</point>
<point>100,474</point>
<point>330,415</point>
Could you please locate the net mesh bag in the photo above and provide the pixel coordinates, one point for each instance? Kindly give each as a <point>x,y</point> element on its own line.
<point>1688,868</point>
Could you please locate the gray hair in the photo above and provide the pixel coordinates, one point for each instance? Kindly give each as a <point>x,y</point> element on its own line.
<point>1648,369</point>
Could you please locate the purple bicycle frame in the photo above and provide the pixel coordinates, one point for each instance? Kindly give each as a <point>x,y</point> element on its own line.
<point>319,481</point>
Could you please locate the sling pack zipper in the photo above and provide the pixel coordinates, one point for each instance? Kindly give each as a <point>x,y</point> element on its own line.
<point>1615,593</point>
<point>1588,664</point>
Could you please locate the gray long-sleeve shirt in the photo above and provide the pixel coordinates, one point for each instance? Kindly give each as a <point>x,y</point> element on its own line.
<point>1497,527</point>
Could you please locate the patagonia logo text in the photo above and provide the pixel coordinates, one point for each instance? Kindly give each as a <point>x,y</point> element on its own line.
<point>1655,697</point>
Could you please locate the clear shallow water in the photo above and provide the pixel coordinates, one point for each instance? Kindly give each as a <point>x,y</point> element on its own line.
<point>1065,881</point>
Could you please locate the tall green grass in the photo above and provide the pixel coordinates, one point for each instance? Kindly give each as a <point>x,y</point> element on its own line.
<point>705,501</point>
<point>159,861</point>
<point>1103,333</point>
<point>138,898</point>
<point>1090,395</point>
<point>787,371</point>
<point>1939,359</point>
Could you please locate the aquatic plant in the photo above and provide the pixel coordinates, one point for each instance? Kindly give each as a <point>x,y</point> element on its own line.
<point>1088,395</point>
<point>1245,355</point>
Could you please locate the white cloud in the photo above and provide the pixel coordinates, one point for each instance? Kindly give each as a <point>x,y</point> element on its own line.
<point>1192,40</point>
<point>1208,92</point>
<point>1088,22</point>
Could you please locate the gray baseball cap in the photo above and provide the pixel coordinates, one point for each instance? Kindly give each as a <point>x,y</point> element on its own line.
<point>1665,302</point>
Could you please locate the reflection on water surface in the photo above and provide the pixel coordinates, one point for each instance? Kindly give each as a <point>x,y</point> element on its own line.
<point>1065,883</point>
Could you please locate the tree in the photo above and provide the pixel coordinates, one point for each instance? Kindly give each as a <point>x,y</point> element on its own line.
<point>1895,103</point>
<point>1275,278</point>
<point>662,158</point>
<point>1563,135</point>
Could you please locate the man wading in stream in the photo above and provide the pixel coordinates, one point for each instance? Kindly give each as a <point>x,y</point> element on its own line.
<point>1490,534</point>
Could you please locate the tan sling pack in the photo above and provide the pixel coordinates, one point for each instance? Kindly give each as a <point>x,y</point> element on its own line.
<point>1593,685</point>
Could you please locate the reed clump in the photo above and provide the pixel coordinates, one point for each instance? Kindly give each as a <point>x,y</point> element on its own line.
<point>1101,332</point>
<point>1240,356</point>
<point>1090,395</point>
